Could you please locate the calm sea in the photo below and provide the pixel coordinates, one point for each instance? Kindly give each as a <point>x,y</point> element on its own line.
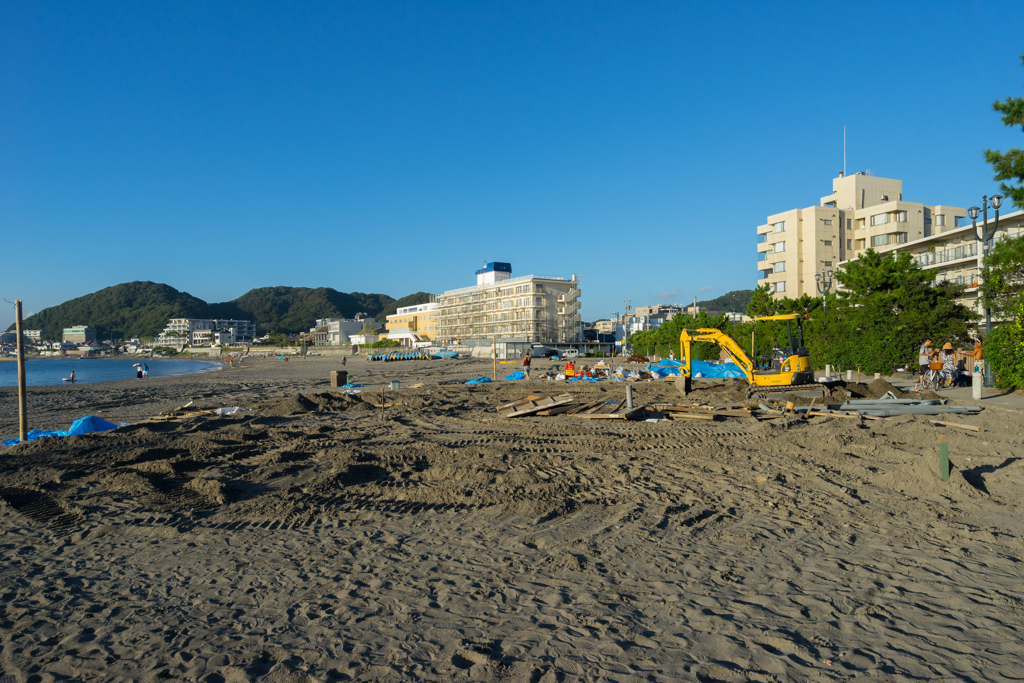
<point>43,371</point>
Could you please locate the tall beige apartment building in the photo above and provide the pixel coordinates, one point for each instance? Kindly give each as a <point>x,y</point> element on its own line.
<point>864,211</point>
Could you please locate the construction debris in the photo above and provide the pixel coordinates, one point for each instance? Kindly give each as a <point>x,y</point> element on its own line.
<point>533,404</point>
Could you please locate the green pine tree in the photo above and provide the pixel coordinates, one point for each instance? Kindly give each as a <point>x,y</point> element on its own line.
<point>1010,166</point>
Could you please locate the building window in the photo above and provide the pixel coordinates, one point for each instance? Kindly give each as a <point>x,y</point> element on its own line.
<point>780,246</point>
<point>880,219</point>
<point>779,227</point>
<point>849,221</point>
<point>828,243</point>
<point>826,221</point>
<point>849,244</point>
<point>900,238</point>
<point>779,267</point>
<point>879,240</point>
<point>940,219</point>
<point>901,216</point>
<point>826,263</point>
<point>780,286</point>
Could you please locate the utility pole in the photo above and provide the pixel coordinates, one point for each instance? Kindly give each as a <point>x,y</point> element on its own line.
<point>22,395</point>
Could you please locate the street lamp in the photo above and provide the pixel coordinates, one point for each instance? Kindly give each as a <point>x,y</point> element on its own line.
<point>984,237</point>
<point>824,281</point>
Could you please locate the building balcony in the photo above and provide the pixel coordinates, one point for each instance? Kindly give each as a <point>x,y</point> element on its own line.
<point>765,247</point>
<point>764,229</point>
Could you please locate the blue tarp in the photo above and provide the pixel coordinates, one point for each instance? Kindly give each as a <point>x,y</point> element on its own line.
<point>583,379</point>
<point>668,363</point>
<point>710,370</point>
<point>350,386</point>
<point>479,380</point>
<point>516,375</point>
<point>83,425</point>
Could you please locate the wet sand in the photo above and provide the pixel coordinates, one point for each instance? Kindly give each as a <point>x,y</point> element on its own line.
<point>310,540</point>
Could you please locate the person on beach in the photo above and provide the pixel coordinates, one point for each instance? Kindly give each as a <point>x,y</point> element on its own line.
<point>72,377</point>
<point>526,364</point>
<point>138,372</point>
<point>948,372</point>
<point>924,355</point>
<point>977,356</point>
<point>145,371</point>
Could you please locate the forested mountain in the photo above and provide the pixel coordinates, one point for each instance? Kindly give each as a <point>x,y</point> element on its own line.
<point>130,309</point>
<point>293,309</point>
<point>141,309</point>
<point>411,300</point>
<point>735,301</point>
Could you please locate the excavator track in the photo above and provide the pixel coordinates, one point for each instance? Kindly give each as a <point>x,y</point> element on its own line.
<point>755,390</point>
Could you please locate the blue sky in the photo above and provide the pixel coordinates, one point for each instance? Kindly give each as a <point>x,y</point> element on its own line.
<point>395,147</point>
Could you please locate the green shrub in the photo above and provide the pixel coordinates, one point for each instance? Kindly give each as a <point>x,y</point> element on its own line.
<point>1004,350</point>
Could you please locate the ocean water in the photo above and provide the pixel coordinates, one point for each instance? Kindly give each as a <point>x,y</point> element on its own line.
<point>45,371</point>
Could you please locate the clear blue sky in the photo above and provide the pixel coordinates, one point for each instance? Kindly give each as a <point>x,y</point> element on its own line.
<point>394,147</point>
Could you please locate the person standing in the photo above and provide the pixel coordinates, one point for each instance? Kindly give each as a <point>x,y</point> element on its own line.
<point>924,356</point>
<point>526,364</point>
<point>72,376</point>
<point>145,371</point>
<point>948,357</point>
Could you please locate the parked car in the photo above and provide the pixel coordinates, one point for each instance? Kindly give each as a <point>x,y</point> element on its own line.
<point>570,353</point>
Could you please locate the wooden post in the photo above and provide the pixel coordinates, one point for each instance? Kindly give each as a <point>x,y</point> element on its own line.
<point>752,347</point>
<point>494,358</point>
<point>381,402</point>
<point>22,395</point>
<point>943,458</point>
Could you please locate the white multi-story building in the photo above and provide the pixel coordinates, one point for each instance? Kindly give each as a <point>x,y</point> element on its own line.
<point>336,331</point>
<point>863,212</point>
<point>956,254</point>
<point>201,331</point>
<point>528,309</point>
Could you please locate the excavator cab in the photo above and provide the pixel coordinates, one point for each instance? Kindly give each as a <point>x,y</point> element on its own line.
<point>792,361</point>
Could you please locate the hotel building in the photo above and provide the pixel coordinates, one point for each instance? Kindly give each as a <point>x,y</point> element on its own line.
<point>526,309</point>
<point>412,324</point>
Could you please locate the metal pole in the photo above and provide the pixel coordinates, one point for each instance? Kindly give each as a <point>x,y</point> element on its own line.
<point>494,357</point>
<point>22,394</point>
<point>988,311</point>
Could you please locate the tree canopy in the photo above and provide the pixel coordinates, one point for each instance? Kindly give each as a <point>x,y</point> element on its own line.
<point>1002,288</point>
<point>1009,166</point>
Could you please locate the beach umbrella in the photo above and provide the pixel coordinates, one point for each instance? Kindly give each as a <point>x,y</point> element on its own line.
<point>137,365</point>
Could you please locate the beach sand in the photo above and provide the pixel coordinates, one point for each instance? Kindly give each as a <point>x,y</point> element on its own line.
<point>310,540</point>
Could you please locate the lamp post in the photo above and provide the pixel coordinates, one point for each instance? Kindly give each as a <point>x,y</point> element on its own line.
<point>824,282</point>
<point>984,236</point>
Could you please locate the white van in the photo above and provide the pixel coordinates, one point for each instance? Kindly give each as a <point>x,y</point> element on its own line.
<point>569,353</point>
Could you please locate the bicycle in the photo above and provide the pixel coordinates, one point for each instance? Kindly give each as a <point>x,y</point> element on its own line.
<point>933,379</point>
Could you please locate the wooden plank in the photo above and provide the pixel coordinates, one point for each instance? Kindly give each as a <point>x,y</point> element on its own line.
<point>504,406</point>
<point>692,416</point>
<point>530,406</point>
<point>688,409</point>
<point>585,406</point>
<point>557,410</point>
<point>612,416</point>
<point>957,425</point>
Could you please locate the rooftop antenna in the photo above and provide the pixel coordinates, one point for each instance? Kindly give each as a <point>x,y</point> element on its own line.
<point>844,151</point>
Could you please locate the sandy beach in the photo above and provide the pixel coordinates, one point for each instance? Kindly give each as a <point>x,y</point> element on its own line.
<point>310,540</point>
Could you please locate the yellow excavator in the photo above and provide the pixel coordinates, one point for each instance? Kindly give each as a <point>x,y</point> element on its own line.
<point>788,368</point>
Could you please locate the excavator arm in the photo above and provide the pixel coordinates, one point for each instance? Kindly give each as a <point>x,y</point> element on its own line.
<point>713,336</point>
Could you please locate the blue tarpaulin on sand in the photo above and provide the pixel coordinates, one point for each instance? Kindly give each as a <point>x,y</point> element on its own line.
<point>669,363</point>
<point>83,425</point>
<point>583,379</point>
<point>710,370</point>
<point>479,380</point>
<point>516,375</point>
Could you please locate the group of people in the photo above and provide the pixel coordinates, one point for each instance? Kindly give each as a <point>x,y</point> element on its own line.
<point>954,370</point>
<point>142,371</point>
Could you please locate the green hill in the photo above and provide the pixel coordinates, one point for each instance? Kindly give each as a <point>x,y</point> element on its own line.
<point>410,300</point>
<point>735,301</point>
<point>293,309</point>
<point>141,309</point>
<point>131,309</point>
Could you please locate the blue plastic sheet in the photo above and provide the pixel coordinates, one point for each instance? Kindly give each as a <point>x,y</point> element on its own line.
<point>712,371</point>
<point>350,386</point>
<point>83,425</point>
<point>516,375</point>
<point>479,380</point>
<point>669,363</point>
<point>583,379</point>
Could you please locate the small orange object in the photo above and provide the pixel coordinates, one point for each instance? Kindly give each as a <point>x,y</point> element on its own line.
<point>570,370</point>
